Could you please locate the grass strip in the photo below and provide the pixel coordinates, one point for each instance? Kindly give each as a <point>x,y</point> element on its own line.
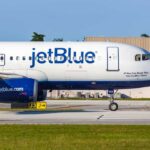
<point>74,137</point>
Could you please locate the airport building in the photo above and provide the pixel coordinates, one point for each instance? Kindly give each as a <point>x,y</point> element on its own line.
<point>143,42</point>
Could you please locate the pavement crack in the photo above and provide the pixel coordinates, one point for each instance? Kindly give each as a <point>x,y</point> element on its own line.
<point>100,117</point>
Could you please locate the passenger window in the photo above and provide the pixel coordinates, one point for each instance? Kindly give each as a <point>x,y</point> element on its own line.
<point>80,58</point>
<point>138,57</point>
<point>17,57</point>
<point>145,56</point>
<point>61,58</point>
<point>30,58</point>
<point>11,58</point>
<point>2,58</point>
<point>49,58</point>
<point>23,58</point>
<point>41,58</point>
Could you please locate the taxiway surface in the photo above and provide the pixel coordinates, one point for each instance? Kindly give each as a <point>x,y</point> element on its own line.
<point>80,112</point>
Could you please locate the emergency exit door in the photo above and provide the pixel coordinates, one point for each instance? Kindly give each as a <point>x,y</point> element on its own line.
<point>2,59</point>
<point>112,59</point>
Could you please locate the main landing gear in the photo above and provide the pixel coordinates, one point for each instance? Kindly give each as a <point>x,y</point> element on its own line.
<point>113,106</point>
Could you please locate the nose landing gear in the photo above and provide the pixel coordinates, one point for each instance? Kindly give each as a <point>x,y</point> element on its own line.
<point>113,106</point>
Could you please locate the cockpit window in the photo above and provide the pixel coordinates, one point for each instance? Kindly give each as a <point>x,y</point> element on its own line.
<point>143,57</point>
<point>146,57</point>
<point>138,57</point>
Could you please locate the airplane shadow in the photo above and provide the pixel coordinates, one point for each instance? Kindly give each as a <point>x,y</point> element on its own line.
<point>37,112</point>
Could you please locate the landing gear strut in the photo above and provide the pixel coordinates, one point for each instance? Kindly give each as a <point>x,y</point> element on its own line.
<point>113,106</point>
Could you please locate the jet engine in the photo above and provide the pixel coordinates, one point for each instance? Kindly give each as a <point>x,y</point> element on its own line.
<point>20,90</point>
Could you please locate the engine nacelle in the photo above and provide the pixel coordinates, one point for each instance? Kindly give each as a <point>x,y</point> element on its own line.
<point>20,90</point>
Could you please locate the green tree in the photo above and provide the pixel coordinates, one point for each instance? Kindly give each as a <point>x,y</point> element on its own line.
<point>37,37</point>
<point>145,35</point>
<point>58,39</point>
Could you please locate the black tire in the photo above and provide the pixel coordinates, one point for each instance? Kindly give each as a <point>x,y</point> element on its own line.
<point>113,106</point>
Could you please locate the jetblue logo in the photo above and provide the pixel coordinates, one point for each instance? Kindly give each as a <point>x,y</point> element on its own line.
<point>61,56</point>
<point>6,89</point>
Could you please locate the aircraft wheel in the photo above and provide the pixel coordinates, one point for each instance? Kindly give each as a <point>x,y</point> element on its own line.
<point>113,106</point>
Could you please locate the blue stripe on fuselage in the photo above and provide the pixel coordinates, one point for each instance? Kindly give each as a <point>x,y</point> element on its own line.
<point>94,85</point>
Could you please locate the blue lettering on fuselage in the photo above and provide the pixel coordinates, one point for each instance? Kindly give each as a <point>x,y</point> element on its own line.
<point>61,56</point>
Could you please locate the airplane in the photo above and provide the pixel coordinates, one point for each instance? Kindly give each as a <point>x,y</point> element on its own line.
<point>28,69</point>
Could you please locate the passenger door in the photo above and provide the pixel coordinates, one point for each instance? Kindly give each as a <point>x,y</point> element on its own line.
<point>2,61</point>
<point>112,59</point>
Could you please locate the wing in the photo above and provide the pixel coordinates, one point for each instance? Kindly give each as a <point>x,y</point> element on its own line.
<point>33,74</point>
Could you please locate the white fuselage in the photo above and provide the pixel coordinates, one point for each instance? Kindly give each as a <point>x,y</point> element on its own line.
<point>73,61</point>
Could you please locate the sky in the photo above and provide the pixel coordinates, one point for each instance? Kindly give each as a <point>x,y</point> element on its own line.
<point>73,19</point>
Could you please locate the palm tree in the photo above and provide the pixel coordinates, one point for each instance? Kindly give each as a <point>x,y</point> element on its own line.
<point>37,37</point>
<point>145,35</point>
